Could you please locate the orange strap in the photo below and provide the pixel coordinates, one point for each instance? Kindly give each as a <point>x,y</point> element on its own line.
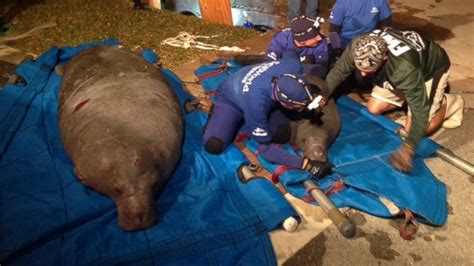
<point>335,188</point>
<point>409,227</point>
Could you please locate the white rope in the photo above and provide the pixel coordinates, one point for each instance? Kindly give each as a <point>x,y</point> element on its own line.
<point>186,40</point>
<point>29,33</point>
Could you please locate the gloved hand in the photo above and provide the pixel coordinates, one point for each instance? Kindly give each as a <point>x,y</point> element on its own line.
<point>402,159</point>
<point>318,169</point>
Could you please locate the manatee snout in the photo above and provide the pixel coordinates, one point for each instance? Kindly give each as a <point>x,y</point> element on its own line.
<point>136,211</point>
<point>315,149</point>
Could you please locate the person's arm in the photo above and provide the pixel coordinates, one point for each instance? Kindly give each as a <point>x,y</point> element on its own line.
<point>257,122</point>
<point>321,55</point>
<point>275,154</point>
<point>385,16</point>
<point>256,119</point>
<point>341,70</point>
<point>418,102</point>
<point>385,23</point>
<point>336,19</point>
<point>256,116</point>
<point>335,38</point>
<point>275,49</point>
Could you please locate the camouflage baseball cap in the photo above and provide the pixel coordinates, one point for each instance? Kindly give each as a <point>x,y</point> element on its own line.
<point>369,52</point>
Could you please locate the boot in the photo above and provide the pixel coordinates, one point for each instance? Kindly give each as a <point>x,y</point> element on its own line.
<point>454,111</point>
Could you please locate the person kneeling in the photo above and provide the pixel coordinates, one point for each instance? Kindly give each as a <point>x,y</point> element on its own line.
<point>256,95</point>
<point>407,67</point>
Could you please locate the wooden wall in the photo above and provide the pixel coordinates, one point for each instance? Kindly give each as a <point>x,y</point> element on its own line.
<point>216,11</point>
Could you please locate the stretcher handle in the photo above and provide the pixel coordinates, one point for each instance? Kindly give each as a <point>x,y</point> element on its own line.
<point>447,155</point>
<point>345,226</point>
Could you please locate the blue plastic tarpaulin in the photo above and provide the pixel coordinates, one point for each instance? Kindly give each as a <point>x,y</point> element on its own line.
<point>47,217</point>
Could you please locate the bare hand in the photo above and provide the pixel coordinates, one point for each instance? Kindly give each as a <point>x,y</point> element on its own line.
<point>402,159</point>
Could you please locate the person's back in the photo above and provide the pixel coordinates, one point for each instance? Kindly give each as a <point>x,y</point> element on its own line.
<point>254,82</point>
<point>409,52</point>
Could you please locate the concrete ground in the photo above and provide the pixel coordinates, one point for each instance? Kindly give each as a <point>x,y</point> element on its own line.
<point>317,242</point>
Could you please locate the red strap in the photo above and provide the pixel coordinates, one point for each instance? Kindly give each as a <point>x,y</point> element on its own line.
<point>211,92</point>
<point>213,73</point>
<point>308,199</point>
<point>335,188</point>
<point>279,171</point>
<point>241,137</point>
<point>409,227</point>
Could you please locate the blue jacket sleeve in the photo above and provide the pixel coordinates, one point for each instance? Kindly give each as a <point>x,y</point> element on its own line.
<point>275,154</point>
<point>321,56</point>
<point>256,118</point>
<point>274,51</point>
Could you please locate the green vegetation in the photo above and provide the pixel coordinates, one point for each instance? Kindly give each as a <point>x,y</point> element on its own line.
<point>83,21</point>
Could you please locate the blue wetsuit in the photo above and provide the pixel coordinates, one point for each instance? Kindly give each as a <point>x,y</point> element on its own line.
<point>357,17</point>
<point>317,57</point>
<point>248,94</point>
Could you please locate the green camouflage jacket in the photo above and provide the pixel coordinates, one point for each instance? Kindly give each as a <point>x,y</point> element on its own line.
<point>412,60</point>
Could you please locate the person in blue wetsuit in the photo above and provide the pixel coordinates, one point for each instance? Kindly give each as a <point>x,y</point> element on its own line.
<point>256,95</point>
<point>305,39</point>
<point>350,18</point>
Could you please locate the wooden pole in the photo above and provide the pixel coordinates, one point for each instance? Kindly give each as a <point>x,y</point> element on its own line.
<point>155,4</point>
<point>216,11</point>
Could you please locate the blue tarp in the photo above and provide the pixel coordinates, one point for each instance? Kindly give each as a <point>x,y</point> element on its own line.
<point>47,217</point>
<point>360,154</point>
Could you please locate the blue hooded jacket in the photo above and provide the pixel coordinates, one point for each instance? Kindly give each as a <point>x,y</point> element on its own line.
<point>250,89</point>
<point>283,41</point>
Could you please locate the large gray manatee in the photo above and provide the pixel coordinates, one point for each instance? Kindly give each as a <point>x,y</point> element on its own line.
<point>122,128</point>
<point>314,134</point>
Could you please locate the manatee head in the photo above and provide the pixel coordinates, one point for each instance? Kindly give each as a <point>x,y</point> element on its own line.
<point>135,187</point>
<point>315,148</point>
<point>132,179</point>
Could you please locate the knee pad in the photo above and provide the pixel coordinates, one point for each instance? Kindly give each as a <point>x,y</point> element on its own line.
<point>214,145</point>
<point>282,134</point>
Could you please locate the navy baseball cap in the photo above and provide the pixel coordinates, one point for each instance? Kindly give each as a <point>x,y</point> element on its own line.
<point>292,90</point>
<point>304,28</point>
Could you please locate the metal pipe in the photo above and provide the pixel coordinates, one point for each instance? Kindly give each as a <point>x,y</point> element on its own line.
<point>448,156</point>
<point>451,158</point>
<point>345,226</point>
